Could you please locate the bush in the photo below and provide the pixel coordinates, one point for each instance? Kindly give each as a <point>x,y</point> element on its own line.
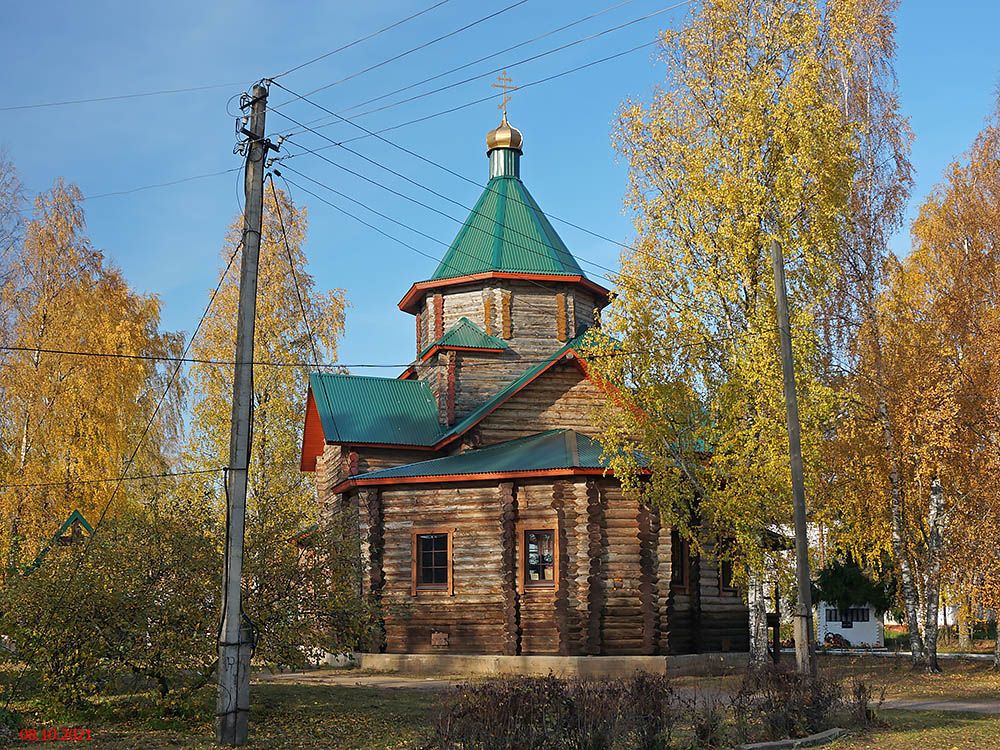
<point>10,723</point>
<point>546,713</point>
<point>785,703</point>
<point>776,703</point>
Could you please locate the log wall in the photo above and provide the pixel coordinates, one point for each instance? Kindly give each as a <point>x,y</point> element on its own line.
<point>613,565</point>
<point>561,398</point>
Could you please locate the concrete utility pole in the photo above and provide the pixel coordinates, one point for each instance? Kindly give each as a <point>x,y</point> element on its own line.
<point>235,637</point>
<point>804,645</point>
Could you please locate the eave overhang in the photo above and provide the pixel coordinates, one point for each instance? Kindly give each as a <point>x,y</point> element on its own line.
<point>417,292</point>
<point>351,483</point>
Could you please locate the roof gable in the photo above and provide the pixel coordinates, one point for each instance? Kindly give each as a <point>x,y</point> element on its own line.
<point>529,375</point>
<point>465,335</point>
<point>360,410</point>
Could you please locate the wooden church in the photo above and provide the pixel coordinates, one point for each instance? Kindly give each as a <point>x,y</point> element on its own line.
<point>486,520</point>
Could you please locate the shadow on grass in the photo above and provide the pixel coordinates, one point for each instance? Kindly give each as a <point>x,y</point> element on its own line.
<point>283,716</point>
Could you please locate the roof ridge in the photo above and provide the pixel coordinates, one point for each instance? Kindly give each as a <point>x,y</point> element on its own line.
<point>366,377</point>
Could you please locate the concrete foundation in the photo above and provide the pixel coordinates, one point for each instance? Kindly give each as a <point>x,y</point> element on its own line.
<point>560,666</point>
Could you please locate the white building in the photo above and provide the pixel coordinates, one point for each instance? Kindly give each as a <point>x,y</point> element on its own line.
<point>858,625</point>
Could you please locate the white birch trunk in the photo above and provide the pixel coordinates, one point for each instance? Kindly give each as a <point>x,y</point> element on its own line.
<point>757,603</point>
<point>932,586</point>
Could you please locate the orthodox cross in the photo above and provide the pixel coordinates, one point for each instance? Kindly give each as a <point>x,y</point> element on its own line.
<point>504,82</point>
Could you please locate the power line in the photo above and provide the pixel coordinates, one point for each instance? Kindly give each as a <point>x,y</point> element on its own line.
<point>489,56</point>
<point>471,181</point>
<point>130,460</point>
<point>488,73</point>
<point>140,188</point>
<point>361,39</point>
<point>403,54</point>
<point>487,98</point>
<point>422,186</point>
<point>104,480</point>
<point>118,97</point>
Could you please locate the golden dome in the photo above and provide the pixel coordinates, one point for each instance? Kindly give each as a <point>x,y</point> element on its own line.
<point>504,136</point>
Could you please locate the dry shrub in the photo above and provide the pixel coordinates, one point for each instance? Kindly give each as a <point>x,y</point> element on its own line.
<point>638,712</point>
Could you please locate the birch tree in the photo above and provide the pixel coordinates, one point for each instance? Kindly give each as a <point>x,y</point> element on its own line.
<point>747,142</point>
<point>68,419</point>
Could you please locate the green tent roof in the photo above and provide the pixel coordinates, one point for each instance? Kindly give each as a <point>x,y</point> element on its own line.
<point>507,231</point>
<point>361,409</point>
<point>466,335</point>
<point>553,449</point>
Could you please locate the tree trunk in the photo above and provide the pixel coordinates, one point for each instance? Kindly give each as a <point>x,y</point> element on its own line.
<point>757,603</point>
<point>932,586</point>
<point>964,620</point>
<point>996,645</point>
<point>899,548</point>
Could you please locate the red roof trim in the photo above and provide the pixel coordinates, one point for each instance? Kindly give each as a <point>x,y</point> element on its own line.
<point>349,483</point>
<point>313,441</point>
<point>410,299</point>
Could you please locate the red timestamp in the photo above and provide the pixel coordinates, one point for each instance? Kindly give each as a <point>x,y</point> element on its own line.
<point>55,734</point>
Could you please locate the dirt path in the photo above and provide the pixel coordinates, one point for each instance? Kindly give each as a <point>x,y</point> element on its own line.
<point>414,682</point>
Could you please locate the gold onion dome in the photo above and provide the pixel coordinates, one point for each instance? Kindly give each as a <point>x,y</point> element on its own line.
<point>504,136</point>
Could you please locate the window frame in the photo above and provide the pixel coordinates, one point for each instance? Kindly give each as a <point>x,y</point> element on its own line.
<point>415,586</point>
<point>523,529</point>
<point>684,586</point>
<point>731,589</point>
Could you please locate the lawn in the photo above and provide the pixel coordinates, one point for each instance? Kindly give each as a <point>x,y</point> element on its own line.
<point>930,730</point>
<point>960,679</point>
<point>289,715</point>
<point>283,716</point>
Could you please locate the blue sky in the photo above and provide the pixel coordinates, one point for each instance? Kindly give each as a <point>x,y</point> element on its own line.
<point>167,240</point>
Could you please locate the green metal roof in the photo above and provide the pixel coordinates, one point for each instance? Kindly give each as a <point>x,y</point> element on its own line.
<point>466,335</point>
<point>361,409</point>
<point>553,449</point>
<point>507,231</point>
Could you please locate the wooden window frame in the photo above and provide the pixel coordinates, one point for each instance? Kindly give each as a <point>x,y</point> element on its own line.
<point>727,590</point>
<point>684,586</point>
<point>415,587</point>
<point>523,528</point>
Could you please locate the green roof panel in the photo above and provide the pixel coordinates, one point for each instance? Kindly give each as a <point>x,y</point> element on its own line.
<point>466,335</point>
<point>553,449</point>
<point>507,231</point>
<point>362,409</point>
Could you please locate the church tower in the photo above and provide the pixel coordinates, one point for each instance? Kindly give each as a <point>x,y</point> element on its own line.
<point>507,292</point>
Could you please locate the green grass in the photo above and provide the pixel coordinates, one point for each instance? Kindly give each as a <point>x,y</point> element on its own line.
<point>283,716</point>
<point>931,730</point>
<point>288,715</point>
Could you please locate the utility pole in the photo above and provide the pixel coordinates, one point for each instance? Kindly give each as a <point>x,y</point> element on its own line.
<point>805,660</point>
<point>236,636</point>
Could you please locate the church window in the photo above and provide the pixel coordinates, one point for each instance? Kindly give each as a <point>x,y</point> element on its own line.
<point>432,561</point>
<point>539,557</point>
<point>680,562</point>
